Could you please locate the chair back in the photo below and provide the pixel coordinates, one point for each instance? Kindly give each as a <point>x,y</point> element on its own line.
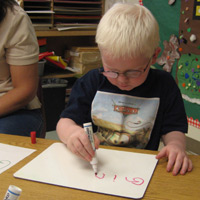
<point>40,97</point>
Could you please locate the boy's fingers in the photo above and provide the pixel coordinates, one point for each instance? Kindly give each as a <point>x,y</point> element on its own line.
<point>184,167</point>
<point>190,167</point>
<point>87,145</point>
<point>179,164</point>
<point>171,161</point>
<point>161,154</point>
<point>187,166</point>
<point>79,149</point>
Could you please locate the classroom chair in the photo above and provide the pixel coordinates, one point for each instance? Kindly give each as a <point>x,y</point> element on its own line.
<point>40,97</point>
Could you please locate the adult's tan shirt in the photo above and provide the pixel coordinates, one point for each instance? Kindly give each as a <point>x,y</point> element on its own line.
<point>18,46</point>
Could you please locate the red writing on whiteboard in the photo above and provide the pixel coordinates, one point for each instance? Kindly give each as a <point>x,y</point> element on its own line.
<point>114,178</point>
<point>99,176</point>
<point>135,180</point>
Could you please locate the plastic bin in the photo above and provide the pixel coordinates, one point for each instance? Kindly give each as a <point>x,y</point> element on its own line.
<point>54,91</point>
<point>41,65</point>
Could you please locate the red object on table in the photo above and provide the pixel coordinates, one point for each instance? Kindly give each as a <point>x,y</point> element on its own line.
<point>33,137</point>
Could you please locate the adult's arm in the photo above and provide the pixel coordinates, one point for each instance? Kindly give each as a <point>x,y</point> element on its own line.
<point>25,83</point>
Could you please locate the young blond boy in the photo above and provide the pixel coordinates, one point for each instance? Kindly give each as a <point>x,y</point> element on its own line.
<point>129,103</point>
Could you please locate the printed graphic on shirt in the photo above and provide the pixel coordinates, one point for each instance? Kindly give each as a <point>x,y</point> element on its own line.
<point>124,120</point>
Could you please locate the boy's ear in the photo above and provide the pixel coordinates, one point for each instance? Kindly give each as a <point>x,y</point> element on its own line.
<point>157,51</point>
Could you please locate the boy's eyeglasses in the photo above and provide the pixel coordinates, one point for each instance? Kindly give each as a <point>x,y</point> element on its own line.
<point>128,74</point>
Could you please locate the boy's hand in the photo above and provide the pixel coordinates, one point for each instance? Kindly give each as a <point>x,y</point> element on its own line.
<point>76,139</point>
<point>79,144</point>
<point>177,159</point>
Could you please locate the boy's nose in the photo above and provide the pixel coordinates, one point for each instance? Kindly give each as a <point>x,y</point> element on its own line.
<point>122,78</point>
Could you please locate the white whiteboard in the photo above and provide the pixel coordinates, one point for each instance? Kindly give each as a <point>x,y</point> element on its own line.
<point>120,173</point>
<point>10,155</point>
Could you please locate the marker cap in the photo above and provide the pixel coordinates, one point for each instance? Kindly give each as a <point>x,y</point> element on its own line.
<point>15,189</point>
<point>33,137</point>
<point>13,193</point>
<point>87,124</point>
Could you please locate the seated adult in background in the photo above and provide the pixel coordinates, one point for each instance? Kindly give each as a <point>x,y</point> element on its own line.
<point>19,106</point>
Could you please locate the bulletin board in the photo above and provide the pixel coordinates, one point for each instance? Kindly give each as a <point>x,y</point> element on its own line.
<point>182,19</point>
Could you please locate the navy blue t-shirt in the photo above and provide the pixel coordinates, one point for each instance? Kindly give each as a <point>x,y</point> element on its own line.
<point>136,118</point>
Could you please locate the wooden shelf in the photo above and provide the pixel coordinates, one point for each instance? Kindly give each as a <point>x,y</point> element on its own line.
<point>60,75</point>
<point>55,33</point>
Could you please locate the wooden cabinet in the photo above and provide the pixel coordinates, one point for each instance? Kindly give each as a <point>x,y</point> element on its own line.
<point>80,17</point>
<point>55,33</point>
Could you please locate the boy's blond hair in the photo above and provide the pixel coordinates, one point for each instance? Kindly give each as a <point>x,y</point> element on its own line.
<point>128,30</point>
